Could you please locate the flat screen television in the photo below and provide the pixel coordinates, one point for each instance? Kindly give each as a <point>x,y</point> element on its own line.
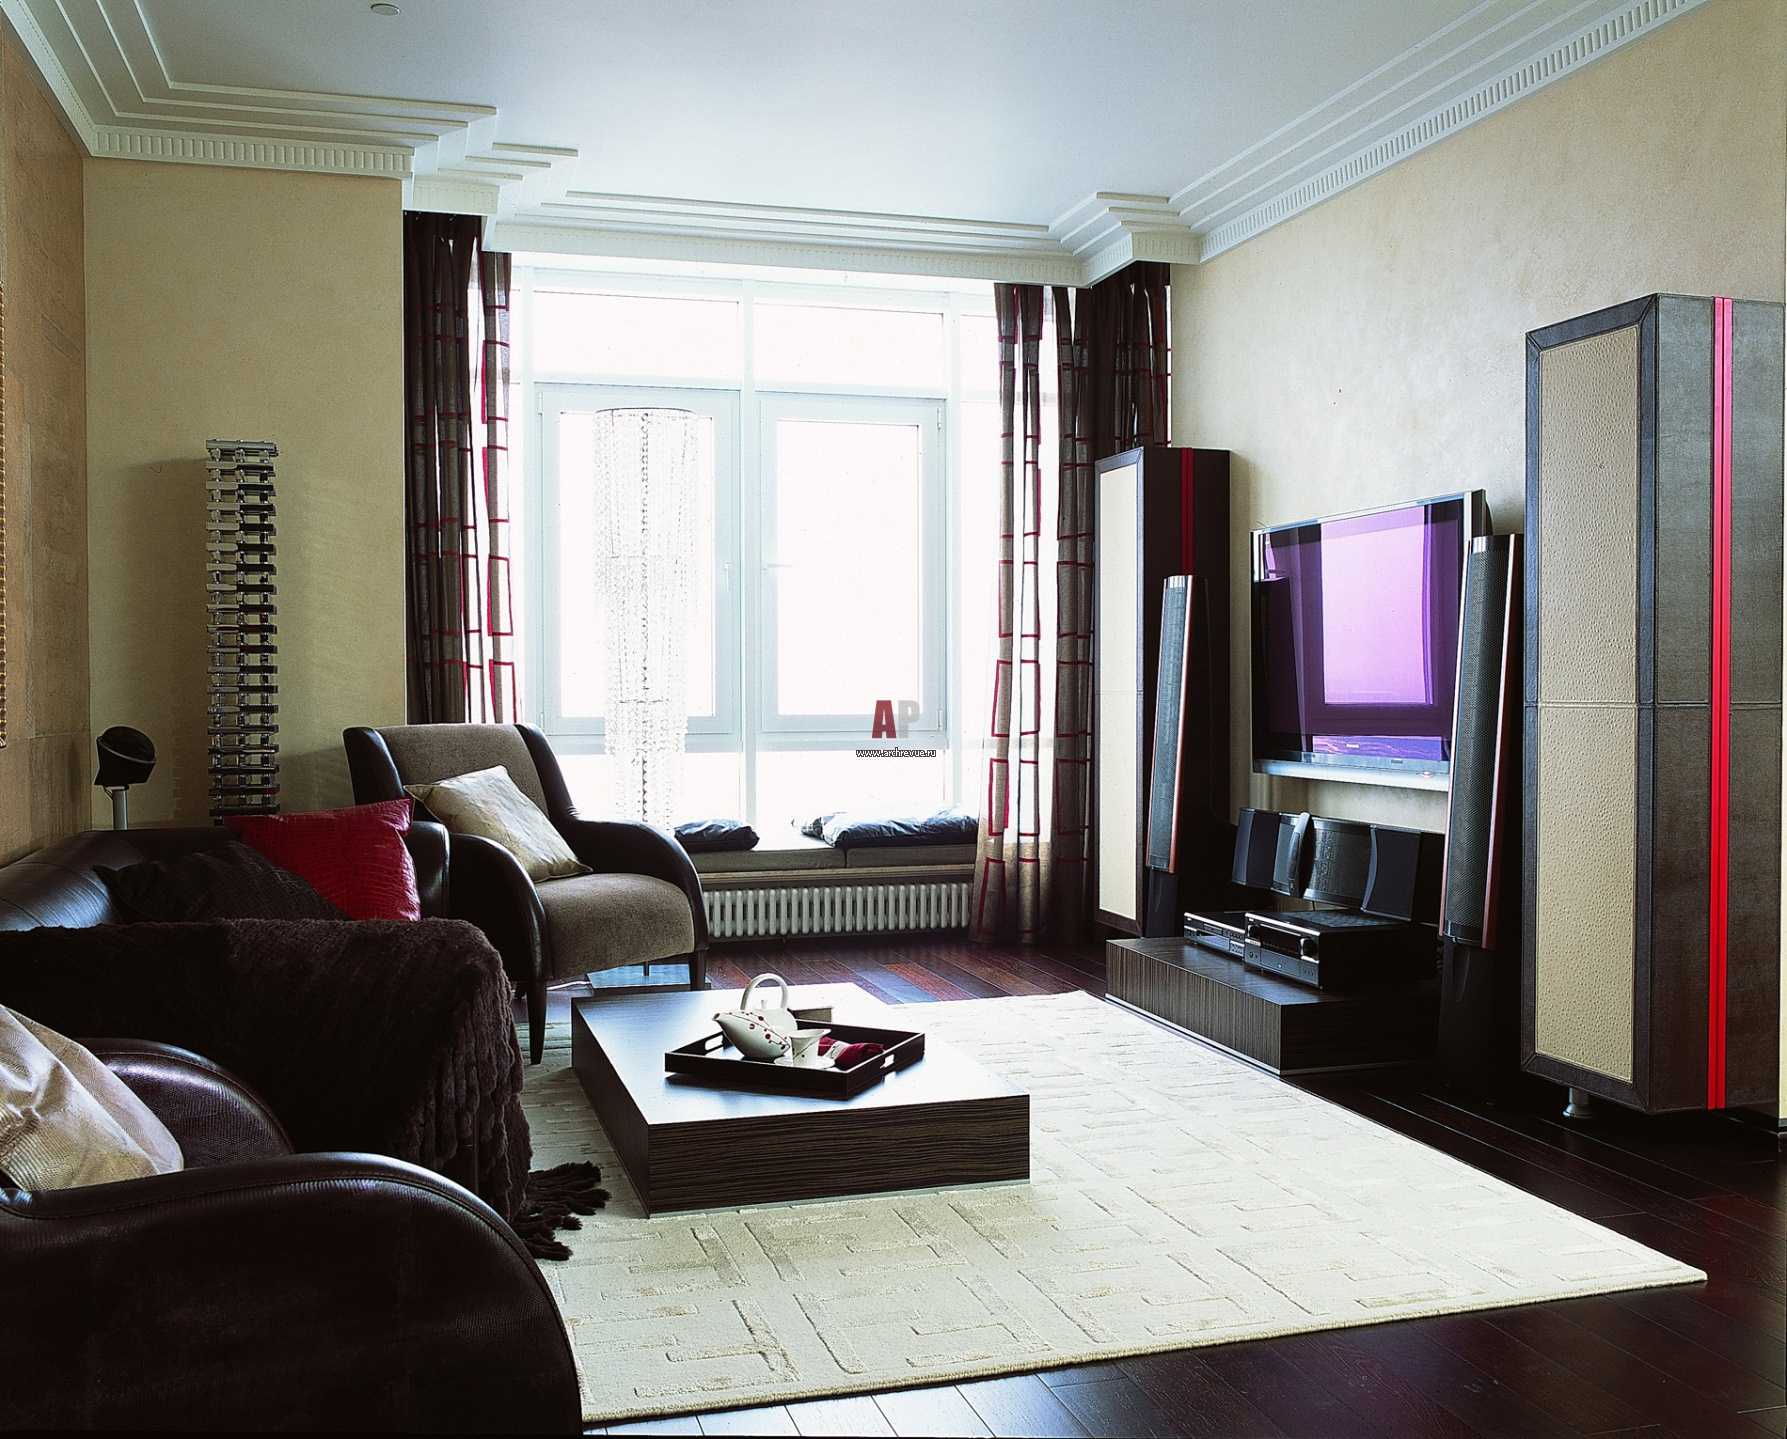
<point>1355,641</point>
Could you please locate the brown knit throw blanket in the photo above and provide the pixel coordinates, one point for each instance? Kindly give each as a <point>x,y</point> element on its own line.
<point>380,1037</point>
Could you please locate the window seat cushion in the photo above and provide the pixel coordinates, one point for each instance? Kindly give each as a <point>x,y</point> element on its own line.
<point>716,836</point>
<point>795,853</point>
<point>798,855</point>
<point>850,830</point>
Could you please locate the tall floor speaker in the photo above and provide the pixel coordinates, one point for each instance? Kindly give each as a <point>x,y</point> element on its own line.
<point>1187,844</point>
<point>1159,513</point>
<point>1479,883</point>
<point>1652,816</point>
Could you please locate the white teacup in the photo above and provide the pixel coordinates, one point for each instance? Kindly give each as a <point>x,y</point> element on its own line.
<point>803,1048</point>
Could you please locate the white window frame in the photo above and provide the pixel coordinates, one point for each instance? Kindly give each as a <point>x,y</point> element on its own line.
<point>721,729</point>
<point>958,731</point>
<point>927,417</point>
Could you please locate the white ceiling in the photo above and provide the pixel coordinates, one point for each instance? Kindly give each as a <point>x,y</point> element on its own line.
<point>1034,138</point>
<point>980,109</point>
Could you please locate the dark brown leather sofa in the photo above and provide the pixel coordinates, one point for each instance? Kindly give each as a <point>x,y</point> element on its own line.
<point>56,885</point>
<point>642,904</point>
<point>260,1289</point>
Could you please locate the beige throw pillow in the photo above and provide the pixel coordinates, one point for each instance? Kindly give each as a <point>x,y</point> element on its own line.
<point>67,1120</point>
<point>488,803</point>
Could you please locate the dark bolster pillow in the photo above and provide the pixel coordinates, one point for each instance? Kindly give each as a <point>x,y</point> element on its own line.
<point>231,881</point>
<point>848,831</point>
<point>714,836</point>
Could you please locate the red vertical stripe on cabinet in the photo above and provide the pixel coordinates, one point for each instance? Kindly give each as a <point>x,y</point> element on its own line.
<point>1720,816</point>
<point>1188,522</point>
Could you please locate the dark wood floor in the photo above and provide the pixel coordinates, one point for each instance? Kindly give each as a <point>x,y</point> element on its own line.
<point>1707,1360</point>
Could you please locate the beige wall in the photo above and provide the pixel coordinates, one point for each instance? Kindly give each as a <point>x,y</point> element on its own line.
<point>46,762</point>
<point>1371,350</point>
<point>244,304</point>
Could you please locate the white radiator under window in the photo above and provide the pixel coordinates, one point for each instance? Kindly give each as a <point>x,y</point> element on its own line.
<point>873,908</point>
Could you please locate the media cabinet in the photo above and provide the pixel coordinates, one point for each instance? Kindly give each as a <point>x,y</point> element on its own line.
<point>1281,1026</point>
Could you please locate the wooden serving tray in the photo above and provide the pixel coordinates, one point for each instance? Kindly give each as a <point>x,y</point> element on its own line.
<point>713,1061</point>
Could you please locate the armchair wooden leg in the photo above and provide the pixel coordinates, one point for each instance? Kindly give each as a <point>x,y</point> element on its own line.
<point>536,1020</point>
<point>698,969</point>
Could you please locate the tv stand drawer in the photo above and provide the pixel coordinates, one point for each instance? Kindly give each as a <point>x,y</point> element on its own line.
<point>1274,1023</point>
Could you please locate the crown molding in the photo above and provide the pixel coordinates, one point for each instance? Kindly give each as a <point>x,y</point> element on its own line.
<point>49,65</point>
<point>804,248</point>
<point>1462,74</point>
<point>101,61</point>
<point>1108,230</point>
<point>182,147</point>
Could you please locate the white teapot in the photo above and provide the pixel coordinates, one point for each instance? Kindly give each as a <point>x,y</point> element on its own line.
<point>762,1032</point>
<point>751,1036</point>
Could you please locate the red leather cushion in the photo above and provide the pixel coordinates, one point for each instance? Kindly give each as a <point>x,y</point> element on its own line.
<point>355,858</point>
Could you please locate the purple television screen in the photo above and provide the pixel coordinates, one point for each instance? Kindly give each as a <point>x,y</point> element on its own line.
<point>1355,636</point>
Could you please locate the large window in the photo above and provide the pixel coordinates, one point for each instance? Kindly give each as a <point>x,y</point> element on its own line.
<point>852,538</point>
<point>573,625</point>
<point>845,439</point>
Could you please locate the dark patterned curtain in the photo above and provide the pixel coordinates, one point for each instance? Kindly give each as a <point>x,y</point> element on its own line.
<point>1122,320</point>
<point>459,630</point>
<point>1032,878</point>
<point>1007,877</point>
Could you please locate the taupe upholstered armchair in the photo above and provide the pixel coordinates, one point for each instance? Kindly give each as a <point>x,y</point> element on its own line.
<point>642,904</point>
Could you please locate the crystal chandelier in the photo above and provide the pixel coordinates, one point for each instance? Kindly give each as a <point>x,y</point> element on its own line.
<point>645,514</point>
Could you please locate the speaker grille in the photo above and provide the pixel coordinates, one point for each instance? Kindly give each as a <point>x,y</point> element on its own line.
<point>1478,736</point>
<point>1340,862</point>
<point>1169,724</point>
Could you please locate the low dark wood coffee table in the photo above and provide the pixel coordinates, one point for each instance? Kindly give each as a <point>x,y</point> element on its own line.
<point>943,1121</point>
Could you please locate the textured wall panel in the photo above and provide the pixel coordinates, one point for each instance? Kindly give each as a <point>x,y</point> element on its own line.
<point>283,319</point>
<point>1683,617</point>
<point>1118,779</point>
<point>1753,991</point>
<point>1587,873</point>
<point>1588,520</point>
<point>45,766</point>
<point>1681,876</point>
<point>1756,517</point>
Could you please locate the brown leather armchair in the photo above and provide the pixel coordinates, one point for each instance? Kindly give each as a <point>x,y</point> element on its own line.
<point>264,1289</point>
<point>641,905</point>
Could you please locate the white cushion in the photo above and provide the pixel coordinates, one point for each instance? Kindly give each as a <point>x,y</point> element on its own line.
<point>488,803</point>
<point>67,1120</point>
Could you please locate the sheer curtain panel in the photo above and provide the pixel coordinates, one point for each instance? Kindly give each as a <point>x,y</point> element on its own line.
<point>1007,899</point>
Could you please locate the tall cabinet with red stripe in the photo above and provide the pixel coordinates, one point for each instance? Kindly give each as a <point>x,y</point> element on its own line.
<point>1162,827</point>
<point>1652,876</point>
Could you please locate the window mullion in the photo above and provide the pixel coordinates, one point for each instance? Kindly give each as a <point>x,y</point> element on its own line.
<point>749,620</point>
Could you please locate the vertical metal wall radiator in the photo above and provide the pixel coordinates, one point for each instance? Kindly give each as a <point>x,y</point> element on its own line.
<point>242,713</point>
<point>874,907</point>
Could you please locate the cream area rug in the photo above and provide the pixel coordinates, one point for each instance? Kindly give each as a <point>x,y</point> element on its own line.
<point>1178,1197</point>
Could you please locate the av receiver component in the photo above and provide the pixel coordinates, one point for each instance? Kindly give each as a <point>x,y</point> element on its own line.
<point>1224,931</point>
<point>1330,949</point>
